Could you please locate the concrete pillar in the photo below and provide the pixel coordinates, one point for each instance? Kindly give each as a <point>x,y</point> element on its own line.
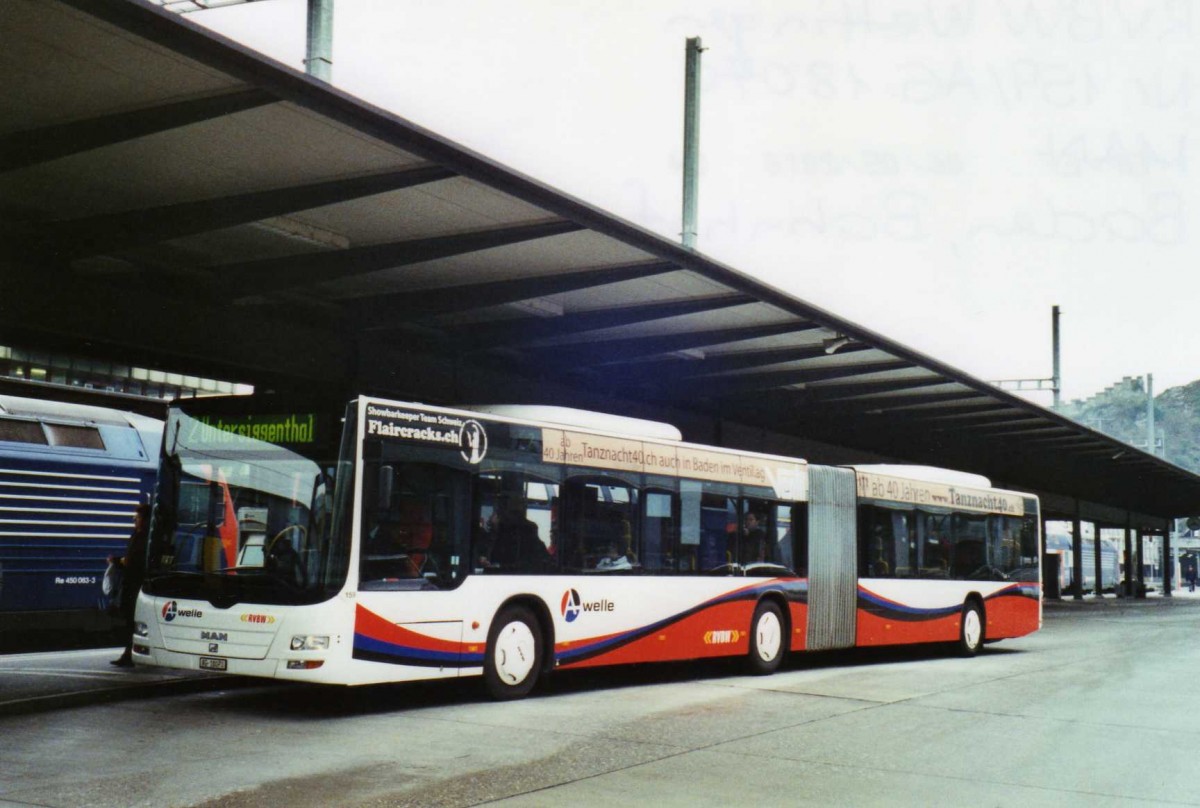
<point>1140,588</point>
<point>1077,554</point>
<point>1099,565</point>
<point>1128,577</point>
<point>1051,574</point>
<point>1167,561</point>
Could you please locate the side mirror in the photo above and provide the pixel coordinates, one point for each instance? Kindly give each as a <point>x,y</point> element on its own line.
<point>386,477</point>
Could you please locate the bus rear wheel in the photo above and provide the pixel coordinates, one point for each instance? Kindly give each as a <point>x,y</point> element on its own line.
<point>766,639</point>
<point>970,635</point>
<point>514,654</point>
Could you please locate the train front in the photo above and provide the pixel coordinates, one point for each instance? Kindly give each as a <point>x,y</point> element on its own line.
<point>249,545</point>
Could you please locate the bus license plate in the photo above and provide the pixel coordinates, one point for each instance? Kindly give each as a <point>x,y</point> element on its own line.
<point>208,663</point>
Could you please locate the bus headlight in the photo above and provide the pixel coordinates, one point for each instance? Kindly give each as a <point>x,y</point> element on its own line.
<point>140,629</point>
<point>309,642</point>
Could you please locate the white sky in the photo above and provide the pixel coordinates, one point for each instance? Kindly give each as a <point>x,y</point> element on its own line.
<point>941,171</point>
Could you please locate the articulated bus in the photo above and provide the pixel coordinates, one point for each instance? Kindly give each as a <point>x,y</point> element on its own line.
<point>399,541</point>
<point>71,476</point>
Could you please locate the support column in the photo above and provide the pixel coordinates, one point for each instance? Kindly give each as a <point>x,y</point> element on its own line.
<point>1051,573</point>
<point>1168,562</point>
<point>1127,578</point>
<point>1077,554</point>
<point>1099,565</point>
<point>1140,588</point>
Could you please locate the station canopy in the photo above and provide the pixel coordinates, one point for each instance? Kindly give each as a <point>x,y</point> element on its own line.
<point>174,199</point>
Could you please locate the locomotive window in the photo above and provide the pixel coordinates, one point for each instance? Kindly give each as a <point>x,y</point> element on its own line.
<point>79,437</point>
<point>18,431</point>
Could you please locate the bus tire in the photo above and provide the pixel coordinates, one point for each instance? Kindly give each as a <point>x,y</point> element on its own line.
<point>766,638</point>
<point>970,633</point>
<point>514,654</point>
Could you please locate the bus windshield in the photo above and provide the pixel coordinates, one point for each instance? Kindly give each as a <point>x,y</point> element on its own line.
<point>244,512</point>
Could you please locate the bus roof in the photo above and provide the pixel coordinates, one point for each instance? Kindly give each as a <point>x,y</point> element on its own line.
<point>582,419</point>
<point>927,474</point>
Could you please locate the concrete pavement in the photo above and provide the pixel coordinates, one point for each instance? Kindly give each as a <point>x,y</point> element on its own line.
<point>53,680</point>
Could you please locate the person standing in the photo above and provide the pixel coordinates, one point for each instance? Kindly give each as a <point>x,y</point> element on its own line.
<point>134,565</point>
<point>754,538</point>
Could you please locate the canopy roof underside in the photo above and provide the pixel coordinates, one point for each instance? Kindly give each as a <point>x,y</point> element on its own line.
<point>173,197</point>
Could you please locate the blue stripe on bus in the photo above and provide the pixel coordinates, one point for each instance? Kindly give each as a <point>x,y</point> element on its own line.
<point>877,604</point>
<point>375,650</point>
<point>792,590</point>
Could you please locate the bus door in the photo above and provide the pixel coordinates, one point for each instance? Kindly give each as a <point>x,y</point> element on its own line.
<point>832,558</point>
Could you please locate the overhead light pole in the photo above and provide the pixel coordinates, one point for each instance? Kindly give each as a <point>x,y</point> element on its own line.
<point>1056,347</point>
<point>318,61</point>
<point>1054,383</point>
<point>318,56</point>
<point>691,139</point>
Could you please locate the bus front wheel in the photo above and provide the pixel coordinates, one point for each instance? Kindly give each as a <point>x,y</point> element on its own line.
<point>970,635</point>
<point>514,654</point>
<point>766,638</point>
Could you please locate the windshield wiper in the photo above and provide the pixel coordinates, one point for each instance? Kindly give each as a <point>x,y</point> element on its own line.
<point>173,574</point>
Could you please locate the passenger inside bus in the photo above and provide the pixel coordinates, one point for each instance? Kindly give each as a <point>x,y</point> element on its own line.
<point>283,561</point>
<point>399,546</point>
<point>613,544</point>
<point>386,554</point>
<point>509,540</point>
<point>753,547</point>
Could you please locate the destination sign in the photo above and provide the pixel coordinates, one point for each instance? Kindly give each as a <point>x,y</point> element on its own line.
<point>282,428</point>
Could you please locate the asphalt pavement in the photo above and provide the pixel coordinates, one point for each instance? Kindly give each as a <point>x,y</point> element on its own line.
<point>53,680</point>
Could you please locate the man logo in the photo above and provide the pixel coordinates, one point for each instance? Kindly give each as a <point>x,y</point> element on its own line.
<point>472,442</point>
<point>212,647</point>
<point>570,605</point>
<point>168,611</point>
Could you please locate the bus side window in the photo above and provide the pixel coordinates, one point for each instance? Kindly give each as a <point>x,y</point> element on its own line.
<point>877,542</point>
<point>799,541</point>
<point>781,549</point>
<point>755,534</point>
<point>969,557</point>
<point>514,524</point>
<point>414,536</point>
<point>660,528</point>
<point>718,532</point>
<point>600,525</point>
<point>933,545</point>
<point>689,526</point>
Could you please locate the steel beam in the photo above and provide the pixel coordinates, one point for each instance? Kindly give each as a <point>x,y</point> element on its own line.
<point>109,233</point>
<point>860,391</point>
<point>33,146</point>
<point>254,278</point>
<point>747,383</point>
<point>382,311</point>
<point>524,330</point>
<point>616,351</point>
